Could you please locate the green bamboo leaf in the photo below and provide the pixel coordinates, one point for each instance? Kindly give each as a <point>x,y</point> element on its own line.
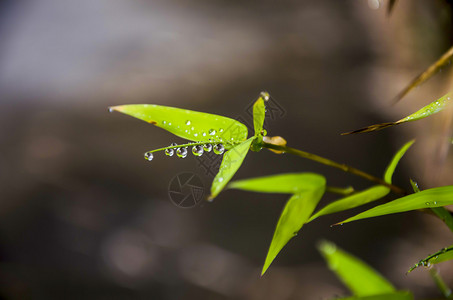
<point>435,197</point>
<point>289,183</point>
<point>259,111</point>
<point>424,112</point>
<point>395,160</point>
<point>349,202</point>
<point>440,256</point>
<point>296,212</point>
<point>368,195</point>
<point>360,278</point>
<point>429,72</point>
<point>232,160</point>
<point>188,124</point>
<point>400,295</point>
<point>440,212</point>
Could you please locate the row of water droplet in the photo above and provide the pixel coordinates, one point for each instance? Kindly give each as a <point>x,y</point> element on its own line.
<point>197,150</point>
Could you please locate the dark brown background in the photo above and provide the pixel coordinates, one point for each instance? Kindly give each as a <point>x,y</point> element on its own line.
<point>83,216</point>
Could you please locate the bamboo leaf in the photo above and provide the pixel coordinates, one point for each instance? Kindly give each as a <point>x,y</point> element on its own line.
<point>428,73</point>
<point>294,215</point>
<point>349,202</point>
<point>360,278</point>
<point>290,183</point>
<point>259,112</point>
<point>395,160</point>
<point>440,256</point>
<point>435,197</point>
<point>424,112</point>
<point>368,195</point>
<point>188,124</point>
<point>440,212</point>
<point>232,160</point>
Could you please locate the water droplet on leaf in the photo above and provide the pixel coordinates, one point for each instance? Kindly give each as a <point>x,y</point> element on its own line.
<point>149,156</point>
<point>188,122</point>
<point>219,149</point>
<point>197,150</point>
<point>169,152</point>
<point>181,152</point>
<point>110,109</point>
<point>207,147</point>
<point>211,131</point>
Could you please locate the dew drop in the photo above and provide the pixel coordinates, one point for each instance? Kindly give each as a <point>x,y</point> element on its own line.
<point>219,149</point>
<point>220,179</point>
<point>427,203</point>
<point>265,96</point>
<point>188,122</point>
<point>204,133</point>
<point>149,156</point>
<point>110,109</point>
<point>220,129</point>
<point>181,152</point>
<point>169,152</point>
<point>207,147</point>
<point>211,131</point>
<point>435,202</point>
<point>164,122</point>
<point>197,150</point>
<point>195,134</point>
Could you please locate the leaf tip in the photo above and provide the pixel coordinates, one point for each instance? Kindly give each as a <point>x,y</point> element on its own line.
<point>326,248</point>
<point>118,108</point>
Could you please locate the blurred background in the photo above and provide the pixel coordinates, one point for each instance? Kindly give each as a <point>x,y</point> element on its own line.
<point>84,216</point>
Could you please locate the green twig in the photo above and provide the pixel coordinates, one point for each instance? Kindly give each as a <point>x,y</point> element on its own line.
<point>334,164</point>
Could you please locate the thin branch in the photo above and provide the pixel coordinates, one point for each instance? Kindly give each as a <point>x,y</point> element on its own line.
<point>334,164</point>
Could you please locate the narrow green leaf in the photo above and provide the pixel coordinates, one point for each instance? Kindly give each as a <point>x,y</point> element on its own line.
<point>440,212</point>
<point>395,160</point>
<point>188,124</point>
<point>349,202</point>
<point>289,183</point>
<point>429,72</point>
<point>426,111</point>
<point>400,295</point>
<point>360,278</point>
<point>296,212</point>
<point>259,112</point>
<point>440,256</point>
<point>435,197</point>
<point>368,195</point>
<point>232,160</point>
